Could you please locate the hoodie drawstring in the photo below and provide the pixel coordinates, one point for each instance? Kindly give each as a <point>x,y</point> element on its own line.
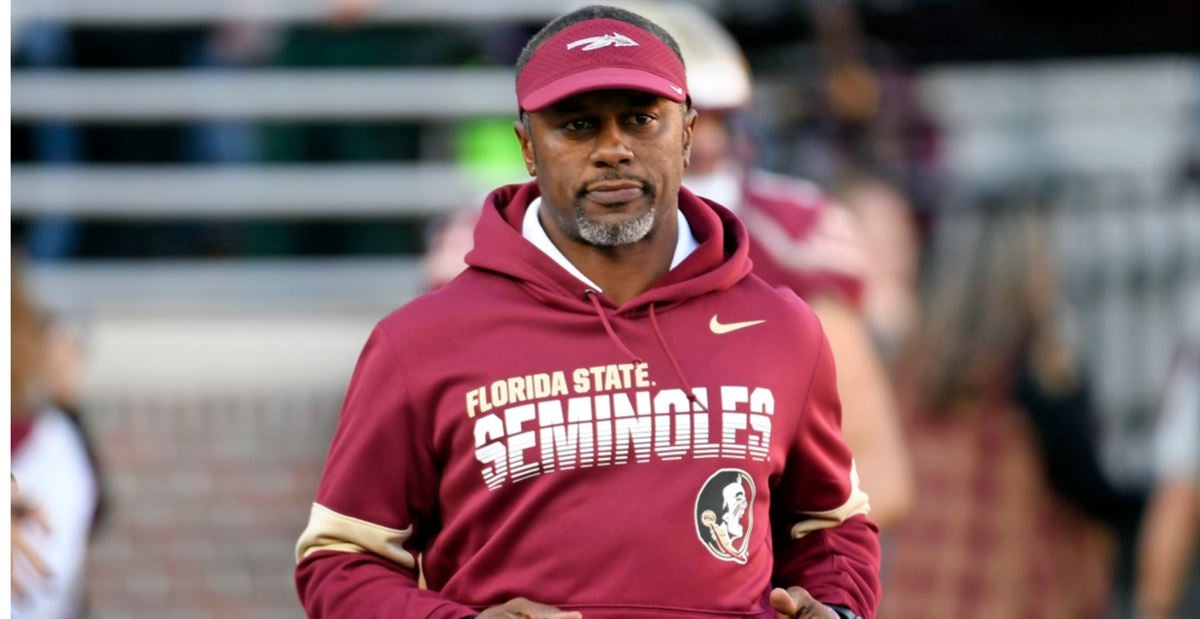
<point>662,341</point>
<point>591,296</point>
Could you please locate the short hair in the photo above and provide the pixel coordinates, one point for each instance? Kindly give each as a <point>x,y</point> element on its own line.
<point>595,11</point>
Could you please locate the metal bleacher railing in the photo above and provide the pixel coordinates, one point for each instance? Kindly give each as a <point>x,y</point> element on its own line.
<point>430,94</point>
<point>138,97</point>
<point>422,189</point>
<point>178,12</point>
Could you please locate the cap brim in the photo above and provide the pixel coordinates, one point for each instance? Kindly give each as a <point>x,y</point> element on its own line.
<point>604,78</point>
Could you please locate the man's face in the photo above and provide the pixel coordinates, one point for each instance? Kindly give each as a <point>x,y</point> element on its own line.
<point>608,162</point>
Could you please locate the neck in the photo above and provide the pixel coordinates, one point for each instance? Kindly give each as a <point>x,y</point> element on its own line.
<point>623,271</point>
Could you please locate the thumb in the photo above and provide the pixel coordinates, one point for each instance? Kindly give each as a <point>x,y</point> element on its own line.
<point>783,602</point>
<point>544,611</point>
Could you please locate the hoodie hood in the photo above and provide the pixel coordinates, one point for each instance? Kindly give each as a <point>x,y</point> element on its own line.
<point>720,261</point>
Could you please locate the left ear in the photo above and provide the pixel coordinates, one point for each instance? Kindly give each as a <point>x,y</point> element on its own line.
<point>689,124</point>
<point>526,141</point>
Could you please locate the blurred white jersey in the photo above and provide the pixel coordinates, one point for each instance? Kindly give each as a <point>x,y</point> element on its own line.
<point>53,471</point>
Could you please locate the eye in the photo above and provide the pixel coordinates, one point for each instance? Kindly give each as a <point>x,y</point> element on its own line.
<point>640,120</point>
<point>577,125</point>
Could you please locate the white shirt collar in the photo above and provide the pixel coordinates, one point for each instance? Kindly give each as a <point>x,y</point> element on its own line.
<point>531,229</point>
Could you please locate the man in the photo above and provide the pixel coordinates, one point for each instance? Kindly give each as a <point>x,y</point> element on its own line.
<point>799,238</point>
<point>554,423</point>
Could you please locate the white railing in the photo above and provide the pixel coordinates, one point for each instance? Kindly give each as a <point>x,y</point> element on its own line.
<point>1037,119</point>
<point>155,13</point>
<point>223,191</point>
<point>293,286</point>
<point>341,94</point>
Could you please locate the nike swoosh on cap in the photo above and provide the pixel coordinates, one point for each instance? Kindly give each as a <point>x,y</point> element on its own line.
<point>721,329</point>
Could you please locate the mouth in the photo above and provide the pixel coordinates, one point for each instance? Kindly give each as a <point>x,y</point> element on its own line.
<point>610,193</point>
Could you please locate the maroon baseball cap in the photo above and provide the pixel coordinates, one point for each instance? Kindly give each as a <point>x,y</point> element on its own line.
<point>600,54</point>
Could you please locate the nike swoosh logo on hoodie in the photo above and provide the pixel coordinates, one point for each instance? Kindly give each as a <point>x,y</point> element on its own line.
<point>721,329</point>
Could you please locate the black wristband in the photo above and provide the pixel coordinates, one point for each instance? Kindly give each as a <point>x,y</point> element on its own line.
<point>843,612</point>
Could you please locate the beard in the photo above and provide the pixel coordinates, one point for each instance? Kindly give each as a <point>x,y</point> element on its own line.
<point>616,234</point>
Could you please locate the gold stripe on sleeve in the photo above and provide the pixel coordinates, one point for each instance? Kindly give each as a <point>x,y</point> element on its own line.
<point>857,504</point>
<point>329,530</point>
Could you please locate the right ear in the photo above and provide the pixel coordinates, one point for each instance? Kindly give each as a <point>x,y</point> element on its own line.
<point>526,141</point>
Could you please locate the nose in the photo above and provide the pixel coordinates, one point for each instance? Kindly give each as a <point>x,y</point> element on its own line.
<point>611,149</point>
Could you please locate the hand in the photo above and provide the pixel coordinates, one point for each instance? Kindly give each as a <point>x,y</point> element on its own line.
<point>521,608</point>
<point>23,511</point>
<point>796,603</point>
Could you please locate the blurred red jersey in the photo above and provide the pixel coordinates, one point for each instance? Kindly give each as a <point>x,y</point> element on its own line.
<point>800,238</point>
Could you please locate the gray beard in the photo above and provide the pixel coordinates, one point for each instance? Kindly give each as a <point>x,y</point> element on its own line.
<point>613,235</point>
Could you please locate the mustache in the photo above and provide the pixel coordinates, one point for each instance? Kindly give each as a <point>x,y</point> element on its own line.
<point>646,185</point>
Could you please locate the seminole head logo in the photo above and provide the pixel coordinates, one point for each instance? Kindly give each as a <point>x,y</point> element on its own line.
<point>724,514</point>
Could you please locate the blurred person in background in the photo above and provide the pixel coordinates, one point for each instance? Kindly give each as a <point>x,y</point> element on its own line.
<point>891,242</point>
<point>234,45</point>
<point>1012,509</point>
<point>1168,574</point>
<point>618,239</point>
<point>54,468</point>
<point>854,106</point>
<point>800,238</point>
<point>231,46</point>
<point>851,89</point>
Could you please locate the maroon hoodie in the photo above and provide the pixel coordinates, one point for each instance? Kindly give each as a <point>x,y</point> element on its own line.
<point>675,456</point>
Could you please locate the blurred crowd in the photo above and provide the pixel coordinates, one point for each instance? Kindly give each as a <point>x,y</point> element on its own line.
<point>968,401</point>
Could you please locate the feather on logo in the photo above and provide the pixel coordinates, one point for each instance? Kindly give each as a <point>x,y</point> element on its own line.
<point>603,40</point>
